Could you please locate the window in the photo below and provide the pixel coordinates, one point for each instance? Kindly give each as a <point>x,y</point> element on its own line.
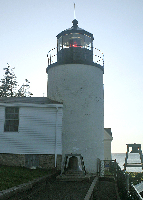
<point>60,43</point>
<point>75,40</point>
<point>11,119</point>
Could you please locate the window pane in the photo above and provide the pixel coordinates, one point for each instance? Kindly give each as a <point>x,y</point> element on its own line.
<point>11,128</point>
<point>16,110</point>
<point>11,116</point>
<point>15,116</point>
<point>8,116</point>
<point>16,122</point>
<point>11,122</point>
<point>7,122</point>
<point>6,128</point>
<point>88,43</point>
<point>15,128</point>
<point>10,109</point>
<point>60,43</point>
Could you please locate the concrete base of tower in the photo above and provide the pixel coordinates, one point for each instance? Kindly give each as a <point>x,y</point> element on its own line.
<point>80,88</point>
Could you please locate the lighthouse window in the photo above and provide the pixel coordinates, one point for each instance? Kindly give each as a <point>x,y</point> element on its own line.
<point>73,40</point>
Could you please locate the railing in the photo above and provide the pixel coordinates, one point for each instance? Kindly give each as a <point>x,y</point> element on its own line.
<point>111,168</point>
<point>106,168</point>
<point>98,56</point>
<point>134,194</point>
<point>52,56</point>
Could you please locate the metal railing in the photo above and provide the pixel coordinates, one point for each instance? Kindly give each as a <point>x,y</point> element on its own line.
<point>98,56</point>
<point>134,194</point>
<point>126,190</point>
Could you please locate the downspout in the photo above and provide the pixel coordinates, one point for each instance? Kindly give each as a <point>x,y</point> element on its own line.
<point>56,135</point>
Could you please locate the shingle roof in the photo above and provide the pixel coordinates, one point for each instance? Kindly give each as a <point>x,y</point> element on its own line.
<point>36,100</point>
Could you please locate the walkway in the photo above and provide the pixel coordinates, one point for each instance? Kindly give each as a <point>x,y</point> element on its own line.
<point>105,190</point>
<point>57,190</point>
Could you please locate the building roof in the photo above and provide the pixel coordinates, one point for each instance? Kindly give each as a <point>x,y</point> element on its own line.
<point>35,100</point>
<point>75,29</point>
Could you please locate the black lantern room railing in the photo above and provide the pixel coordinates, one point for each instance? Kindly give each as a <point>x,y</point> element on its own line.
<point>98,56</point>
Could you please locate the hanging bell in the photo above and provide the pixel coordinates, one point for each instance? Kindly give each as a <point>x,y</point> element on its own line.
<point>135,150</point>
<point>73,165</point>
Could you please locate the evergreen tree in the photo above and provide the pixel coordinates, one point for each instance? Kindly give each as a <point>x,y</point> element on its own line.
<point>9,84</point>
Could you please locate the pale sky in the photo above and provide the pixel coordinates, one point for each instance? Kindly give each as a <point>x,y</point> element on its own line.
<point>28,30</point>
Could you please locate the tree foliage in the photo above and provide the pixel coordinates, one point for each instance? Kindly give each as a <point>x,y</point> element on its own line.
<point>9,86</point>
<point>24,90</point>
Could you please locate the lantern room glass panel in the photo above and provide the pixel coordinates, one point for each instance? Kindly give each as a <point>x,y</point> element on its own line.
<point>75,40</point>
<point>88,42</point>
<point>60,43</point>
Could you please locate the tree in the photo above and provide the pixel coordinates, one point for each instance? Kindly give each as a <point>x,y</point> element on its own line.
<point>9,85</point>
<point>24,90</point>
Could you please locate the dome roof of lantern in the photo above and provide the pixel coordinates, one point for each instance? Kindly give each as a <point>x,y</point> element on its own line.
<point>75,29</point>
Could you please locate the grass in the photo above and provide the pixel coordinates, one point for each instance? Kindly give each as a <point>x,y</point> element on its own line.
<point>136,177</point>
<point>107,173</point>
<point>14,176</point>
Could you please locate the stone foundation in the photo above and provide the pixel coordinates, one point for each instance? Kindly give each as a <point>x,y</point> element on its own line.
<point>46,161</point>
<point>12,159</point>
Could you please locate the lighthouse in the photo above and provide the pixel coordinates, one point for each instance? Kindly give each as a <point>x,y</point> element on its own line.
<point>77,82</point>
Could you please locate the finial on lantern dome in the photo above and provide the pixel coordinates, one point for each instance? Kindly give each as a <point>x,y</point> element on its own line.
<point>75,23</point>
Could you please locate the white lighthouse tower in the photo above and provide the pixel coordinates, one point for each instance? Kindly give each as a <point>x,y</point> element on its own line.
<point>77,82</point>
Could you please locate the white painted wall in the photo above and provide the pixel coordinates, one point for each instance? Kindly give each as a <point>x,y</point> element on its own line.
<point>107,145</point>
<point>40,129</point>
<point>80,88</point>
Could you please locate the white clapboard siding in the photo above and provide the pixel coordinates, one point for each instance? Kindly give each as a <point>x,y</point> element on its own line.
<point>2,118</point>
<point>40,131</point>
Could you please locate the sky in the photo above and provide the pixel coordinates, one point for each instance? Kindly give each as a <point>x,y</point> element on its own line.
<point>28,30</point>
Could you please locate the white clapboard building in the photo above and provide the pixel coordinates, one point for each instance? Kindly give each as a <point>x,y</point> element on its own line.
<point>31,132</point>
<point>30,128</point>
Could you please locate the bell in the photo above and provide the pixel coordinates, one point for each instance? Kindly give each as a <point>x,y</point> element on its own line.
<point>73,165</point>
<point>135,150</point>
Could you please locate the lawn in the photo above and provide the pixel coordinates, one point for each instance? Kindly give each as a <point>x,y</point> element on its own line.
<point>135,177</point>
<point>14,176</point>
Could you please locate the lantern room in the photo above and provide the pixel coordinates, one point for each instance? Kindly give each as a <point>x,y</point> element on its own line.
<point>74,45</point>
